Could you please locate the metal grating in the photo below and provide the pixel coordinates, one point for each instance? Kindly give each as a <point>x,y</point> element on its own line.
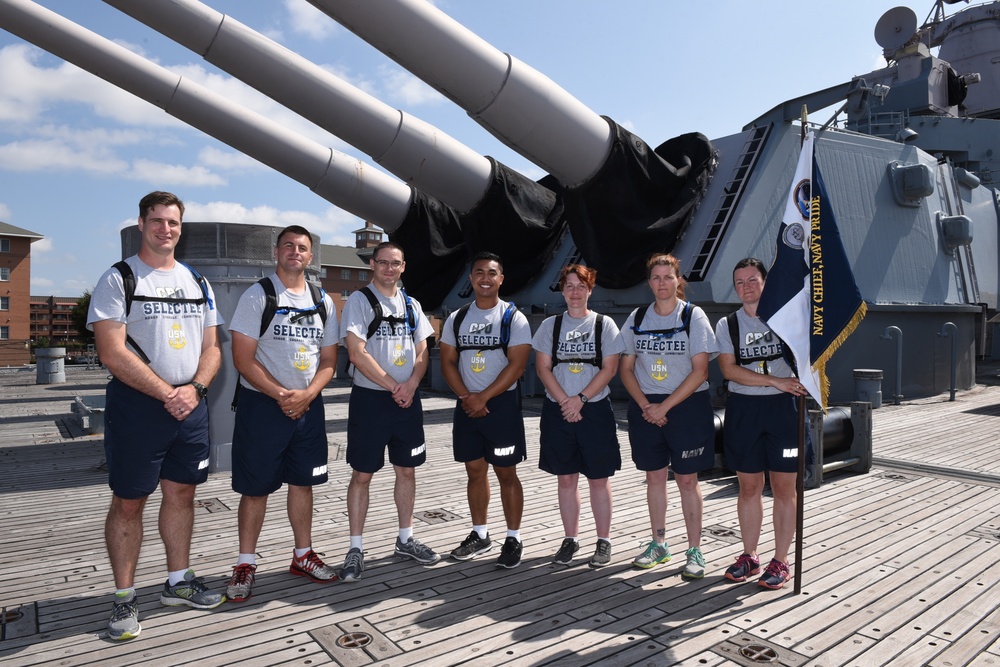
<point>750,651</point>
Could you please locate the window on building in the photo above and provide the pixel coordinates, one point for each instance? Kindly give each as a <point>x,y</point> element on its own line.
<point>344,294</point>
<point>4,333</point>
<point>345,274</point>
<point>4,245</point>
<point>4,273</point>
<point>4,303</point>
<point>362,275</point>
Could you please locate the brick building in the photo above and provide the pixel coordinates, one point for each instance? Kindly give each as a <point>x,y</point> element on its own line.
<point>343,270</point>
<point>51,317</point>
<point>15,296</point>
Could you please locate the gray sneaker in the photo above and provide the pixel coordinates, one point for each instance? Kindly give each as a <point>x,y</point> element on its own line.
<point>472,546</point>
<point>240,586</point>
<point>124,623</point>
<point>695,567</point>
<point>653,555</point>
<point>191,592</point>
<point>602,555</point>
<point>417,550</point>
<point>354,565</point>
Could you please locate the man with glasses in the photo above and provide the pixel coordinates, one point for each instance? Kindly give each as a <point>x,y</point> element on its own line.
<point>285,339</point>
<point>386,336</point>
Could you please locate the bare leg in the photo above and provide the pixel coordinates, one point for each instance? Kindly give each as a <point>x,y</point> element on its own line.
<point>656,499</point>
<point>600,504</point>
<point>177,523</point>
<point>511,496</point>
<point>569,504</point>
<point>300,514</point>
<point>357,501</point>
<point>691,505</point>
<point>783,512</point>
<point>251,520</point>
<point>123,535</point>
<point>404,493</point>
<point>478,491</point>
<point>750,509</point>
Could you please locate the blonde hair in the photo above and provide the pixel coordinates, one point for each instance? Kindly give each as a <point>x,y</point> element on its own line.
<point>665,259</point>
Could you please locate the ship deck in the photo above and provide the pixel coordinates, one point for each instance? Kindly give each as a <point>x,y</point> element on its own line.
<point>900,564</point>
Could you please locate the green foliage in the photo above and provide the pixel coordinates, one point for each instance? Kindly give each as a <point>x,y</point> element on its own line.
<point>79,318</point>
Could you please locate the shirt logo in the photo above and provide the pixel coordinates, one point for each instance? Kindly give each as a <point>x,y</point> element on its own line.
<point>175,336</point>
<point>658,370</point>
<point>302,361</point>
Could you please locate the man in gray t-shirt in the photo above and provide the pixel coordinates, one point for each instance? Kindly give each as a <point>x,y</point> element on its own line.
<point>386,335</point>
<point>285,348</point>
<point>154,323</point>
<point>482,368</point>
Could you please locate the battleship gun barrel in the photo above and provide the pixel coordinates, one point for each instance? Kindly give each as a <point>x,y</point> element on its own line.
<point>338,178</point>
<point>520,106</point>
<point>415,151</point>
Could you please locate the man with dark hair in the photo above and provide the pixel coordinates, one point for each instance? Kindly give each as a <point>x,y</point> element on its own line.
<point>162,355</point>
<point>484,350</point>
<point>386,335</point>
<point>285,355</point>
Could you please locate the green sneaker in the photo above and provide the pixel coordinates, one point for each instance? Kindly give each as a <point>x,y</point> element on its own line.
<point>124,623</point>
<point>653,555</point>
<point>695,567</point>
<point>190,592</point>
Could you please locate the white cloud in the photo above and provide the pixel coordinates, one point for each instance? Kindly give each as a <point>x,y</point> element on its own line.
<point>229,160</point>
<point>41,282</point>
<point>4,211</point>
<point>37,155</point>
<point>309,21</point>
<point>170,175</point>
<point>334,225</point>
<point>41,246</point>
<point>407,89</point>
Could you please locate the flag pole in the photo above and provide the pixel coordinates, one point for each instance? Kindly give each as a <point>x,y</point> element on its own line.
<point>800,478</point>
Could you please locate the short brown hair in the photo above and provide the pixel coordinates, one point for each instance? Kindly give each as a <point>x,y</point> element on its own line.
<point>587,275</point>
<point>666,259</point>
<point>159,197</point>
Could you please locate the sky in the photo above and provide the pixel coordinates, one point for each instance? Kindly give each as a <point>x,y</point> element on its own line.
<point>77,153</point>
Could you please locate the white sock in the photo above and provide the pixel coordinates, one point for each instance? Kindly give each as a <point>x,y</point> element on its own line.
<point>405,534</point>
<point>177,577</point>
<point>247,559</point>
<point>483,531</point>
<point>516,534</point>
<point>356,542</point>
<point>299,553</point>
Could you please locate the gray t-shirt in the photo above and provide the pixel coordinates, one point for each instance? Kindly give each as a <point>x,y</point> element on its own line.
<point>480,368</point>
<point>662,362</point>
<point>577,341</point>
<point>757,341</point>
<point>170,334</point>
<point>392,346</point>
<point>289,351</point>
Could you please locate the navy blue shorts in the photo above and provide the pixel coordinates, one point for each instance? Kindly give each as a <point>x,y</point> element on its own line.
<point>374,422</point>
<point>143,443</point>
<point>498,437</point>
<point>269,449</point>
<point>589,446</point>
<point>762,433</point>
<point>686,442</point>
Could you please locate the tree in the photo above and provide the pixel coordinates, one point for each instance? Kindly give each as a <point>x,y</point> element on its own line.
<point>79,317</point>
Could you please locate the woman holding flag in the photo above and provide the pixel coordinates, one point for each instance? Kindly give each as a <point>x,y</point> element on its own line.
<point>761,427</point>
<point>668,345</point>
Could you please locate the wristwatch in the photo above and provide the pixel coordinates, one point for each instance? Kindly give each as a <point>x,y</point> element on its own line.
<point>200,388</point>
<point>583,397</point>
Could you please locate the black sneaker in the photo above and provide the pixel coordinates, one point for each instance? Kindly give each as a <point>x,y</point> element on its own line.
<point>566,552</point>
<point>472,546</point>
<point>602,556</point>
<point>510,553</point>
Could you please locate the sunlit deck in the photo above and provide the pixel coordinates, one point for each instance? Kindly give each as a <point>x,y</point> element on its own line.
<point>900,564</point>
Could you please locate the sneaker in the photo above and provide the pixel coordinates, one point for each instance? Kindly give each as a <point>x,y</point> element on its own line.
<point>745,566</point>
<point>312,567</point>
<point>510,553</point>
<point>652,556</point>
<point>695,566</point>
<point>354,565</point>
<point>417,550</point>
<point>472,546</point>
<point>190,592</point>
<point>566,552</point>
<point>124,623</point>
<point>775,575</point>
<point>241,583</point>
<point>602,556</point>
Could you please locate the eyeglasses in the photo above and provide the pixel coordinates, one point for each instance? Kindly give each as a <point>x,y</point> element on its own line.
<point>386,264</point>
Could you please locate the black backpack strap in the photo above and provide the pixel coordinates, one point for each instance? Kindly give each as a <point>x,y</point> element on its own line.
<point>734,336</point>
<point>376,310</point>
<point>319,298</point>
<point>505,321</point>
<point>640,315</point>
<point>202,283</point>
<point>270,304</point>
<point>457,325</point>
<point>599,334</point>
<point>128,282</point>
<point>556,328</point>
